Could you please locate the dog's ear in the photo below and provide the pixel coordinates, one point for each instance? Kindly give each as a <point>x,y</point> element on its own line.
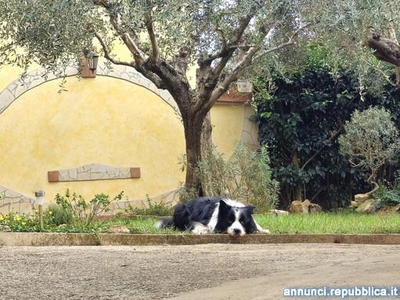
<point>250,209</point>
<point>223,206</point>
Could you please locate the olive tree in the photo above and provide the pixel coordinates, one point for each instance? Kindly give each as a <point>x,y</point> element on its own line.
<point>360,34</point>
<point>163,38</point>
<point>371,139</point>
<point>220,38</point>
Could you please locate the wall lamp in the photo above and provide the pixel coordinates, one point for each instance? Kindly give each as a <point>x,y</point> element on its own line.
<point>92,59</point>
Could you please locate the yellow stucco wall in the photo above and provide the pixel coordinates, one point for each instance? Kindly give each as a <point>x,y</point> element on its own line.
<point>227,122</point>
<point>108,121</point>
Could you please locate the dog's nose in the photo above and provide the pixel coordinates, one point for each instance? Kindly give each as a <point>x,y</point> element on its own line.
<point>237,231</point>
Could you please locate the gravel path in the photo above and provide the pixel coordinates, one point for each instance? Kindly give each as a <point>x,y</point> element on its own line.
<point>211,271</point>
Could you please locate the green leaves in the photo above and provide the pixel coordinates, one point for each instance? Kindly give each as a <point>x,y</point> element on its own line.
<point>371,139</point>
<point>245,176</point>
<point>46,32</point>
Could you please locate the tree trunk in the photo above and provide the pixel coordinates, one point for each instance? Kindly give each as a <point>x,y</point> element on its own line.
<point>194,110</point>
<point>296,166</point>
<point>197,130</point>
<point>386,49</point>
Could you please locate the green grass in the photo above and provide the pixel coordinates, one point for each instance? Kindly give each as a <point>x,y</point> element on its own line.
<point>324,223</point>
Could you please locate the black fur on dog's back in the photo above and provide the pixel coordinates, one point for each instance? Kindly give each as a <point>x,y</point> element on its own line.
<point>197,210</point>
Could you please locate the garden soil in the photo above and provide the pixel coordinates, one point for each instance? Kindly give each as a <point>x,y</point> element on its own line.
<point>211,271</point>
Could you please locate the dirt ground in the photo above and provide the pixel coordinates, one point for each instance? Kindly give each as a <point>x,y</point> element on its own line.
<point>211,271</point>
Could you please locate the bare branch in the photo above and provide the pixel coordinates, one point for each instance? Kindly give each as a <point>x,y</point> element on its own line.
<point>116,22</point>
<point>333,136</point>
<point>107,53</point>
<point>152,36</point>
<point>244,22</point>
<point>289,42</point>
<point>223,86</point>
<point>139,57</point>
<point>226,55</point>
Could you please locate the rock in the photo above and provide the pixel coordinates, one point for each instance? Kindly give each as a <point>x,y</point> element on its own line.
<point>296,207</point>
<point>314,208</point>
<point>360,199</point>
<point>366,207</point>
<point>278,212</point>
<point>304,207</point>
<point>5,228</point>
<point>118,229</point>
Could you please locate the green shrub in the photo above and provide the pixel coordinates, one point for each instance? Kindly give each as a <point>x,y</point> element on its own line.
<point>153,209</point>
<point>56,215</point>
<point>80,213</point>
<point>371,139</point>
<point>246,176</point>
<point>386,197</point>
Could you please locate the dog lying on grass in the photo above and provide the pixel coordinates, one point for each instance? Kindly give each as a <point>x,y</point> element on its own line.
<point>205,215</point>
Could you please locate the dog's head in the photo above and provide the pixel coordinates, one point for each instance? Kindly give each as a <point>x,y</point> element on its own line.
<point>235,220</point>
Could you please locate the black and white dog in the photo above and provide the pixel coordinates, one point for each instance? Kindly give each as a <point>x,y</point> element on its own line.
<point>213,215</point>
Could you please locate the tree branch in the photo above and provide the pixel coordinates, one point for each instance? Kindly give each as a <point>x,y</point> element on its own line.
<point>138,55</point>
<point>244,22</point>
<point>289,42</point>
<point>248,58</point>
<point>116,22</point>
<point>223,85</point>
<point>107,53</point>
<point>152,36</point>
<point>385,76</point>
<point>334,135</point>
<point>385,49</point>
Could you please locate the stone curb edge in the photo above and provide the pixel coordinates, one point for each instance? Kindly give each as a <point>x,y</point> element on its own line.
<point>116,239</point>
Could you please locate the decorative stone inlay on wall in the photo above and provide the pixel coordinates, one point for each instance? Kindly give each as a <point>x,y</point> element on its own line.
<point>10,198</point>
<point>93,172</point>
<point>39,76</point>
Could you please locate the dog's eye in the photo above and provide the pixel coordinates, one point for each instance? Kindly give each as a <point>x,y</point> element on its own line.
<point>242,221</point>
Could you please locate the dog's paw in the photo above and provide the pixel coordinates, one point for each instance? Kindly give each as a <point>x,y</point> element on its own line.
<point>266,231</point>
<point>200,229</point>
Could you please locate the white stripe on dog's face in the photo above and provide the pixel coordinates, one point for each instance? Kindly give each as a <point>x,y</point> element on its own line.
<point>236,228</point>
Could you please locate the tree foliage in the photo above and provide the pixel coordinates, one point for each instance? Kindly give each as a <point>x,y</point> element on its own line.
<point>222,39</point>
<point>301,118</point>
<point>353,31</point>
<point>163,38</point>
<point>371,139</point>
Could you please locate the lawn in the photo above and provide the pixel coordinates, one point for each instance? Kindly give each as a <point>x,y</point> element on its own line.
<point>338,223</point>
<point>322,223</point>
<point>342,223</point>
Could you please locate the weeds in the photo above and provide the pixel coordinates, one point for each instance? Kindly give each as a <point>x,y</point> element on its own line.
<point>153,209</point>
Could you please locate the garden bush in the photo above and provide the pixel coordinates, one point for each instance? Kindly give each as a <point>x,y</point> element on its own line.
<point>246,176</point>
